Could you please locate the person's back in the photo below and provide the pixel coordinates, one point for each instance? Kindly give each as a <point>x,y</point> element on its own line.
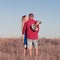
<point>30,33</point>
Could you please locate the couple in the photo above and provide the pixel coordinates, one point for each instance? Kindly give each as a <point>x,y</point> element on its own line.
<point>30,30</point>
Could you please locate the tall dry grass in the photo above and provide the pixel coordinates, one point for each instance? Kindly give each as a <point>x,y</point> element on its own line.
<point>12,49</point>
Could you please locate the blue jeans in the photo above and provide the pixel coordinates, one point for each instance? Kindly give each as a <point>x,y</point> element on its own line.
<point>25,40</point>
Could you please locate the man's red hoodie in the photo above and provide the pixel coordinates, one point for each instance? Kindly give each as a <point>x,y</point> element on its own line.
<point>30,34</point>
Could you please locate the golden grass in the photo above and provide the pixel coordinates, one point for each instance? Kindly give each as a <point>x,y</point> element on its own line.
<point>12,49</point>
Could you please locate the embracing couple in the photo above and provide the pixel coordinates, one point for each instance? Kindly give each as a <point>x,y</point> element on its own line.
<point>30,30</point>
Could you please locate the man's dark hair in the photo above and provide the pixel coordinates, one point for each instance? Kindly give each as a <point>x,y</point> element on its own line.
<point>31,14</point>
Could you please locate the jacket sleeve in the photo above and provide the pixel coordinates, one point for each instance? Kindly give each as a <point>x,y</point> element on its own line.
<point>24,28</point>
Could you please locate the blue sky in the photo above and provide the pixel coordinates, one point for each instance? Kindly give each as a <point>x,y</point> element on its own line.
<point>47,11</point>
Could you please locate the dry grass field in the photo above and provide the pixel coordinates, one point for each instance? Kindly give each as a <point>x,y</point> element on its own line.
<point>12,49</point>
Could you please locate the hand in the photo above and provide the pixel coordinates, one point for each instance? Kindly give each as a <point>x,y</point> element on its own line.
<point>36,29</point>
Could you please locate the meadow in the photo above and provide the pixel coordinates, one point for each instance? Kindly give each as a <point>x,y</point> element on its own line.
<point>12,49</point>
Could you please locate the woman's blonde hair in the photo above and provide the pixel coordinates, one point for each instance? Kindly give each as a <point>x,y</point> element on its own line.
<point>23,17</point>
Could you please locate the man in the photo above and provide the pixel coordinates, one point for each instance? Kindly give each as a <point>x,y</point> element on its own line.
<point>32,36</point>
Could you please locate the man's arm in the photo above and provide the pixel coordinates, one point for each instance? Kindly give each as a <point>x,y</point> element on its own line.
<point>23,31</point>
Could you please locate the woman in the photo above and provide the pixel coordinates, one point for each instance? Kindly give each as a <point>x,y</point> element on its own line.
<point>24,20</point>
